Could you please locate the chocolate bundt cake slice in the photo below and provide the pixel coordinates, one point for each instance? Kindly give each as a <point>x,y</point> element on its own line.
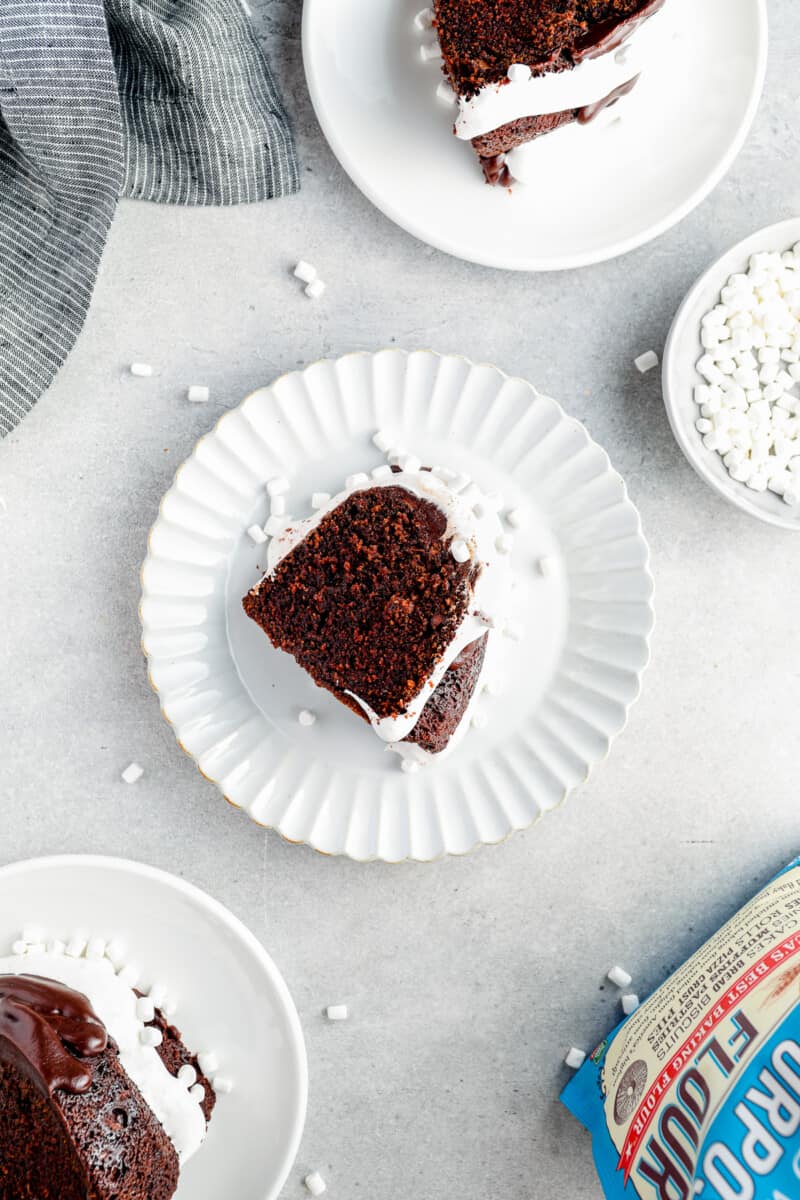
<point>387,596</point>
<point>74,1122</point>
<point>525,68</point>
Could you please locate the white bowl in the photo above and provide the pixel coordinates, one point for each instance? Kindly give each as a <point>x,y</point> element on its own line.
<point>680,376</point>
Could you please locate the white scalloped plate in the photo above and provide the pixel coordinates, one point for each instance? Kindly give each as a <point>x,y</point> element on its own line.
<point>233,700</point>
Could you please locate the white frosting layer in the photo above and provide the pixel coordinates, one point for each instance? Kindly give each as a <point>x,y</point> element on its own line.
<point>114,1002</point>
<point>526,95</point>
<point>469,518</point>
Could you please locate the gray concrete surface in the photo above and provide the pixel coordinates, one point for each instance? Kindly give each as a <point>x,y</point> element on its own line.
<point>468,979</point>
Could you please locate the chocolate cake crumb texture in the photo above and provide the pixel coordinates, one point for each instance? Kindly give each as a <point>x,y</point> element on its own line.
<point>370,600</point>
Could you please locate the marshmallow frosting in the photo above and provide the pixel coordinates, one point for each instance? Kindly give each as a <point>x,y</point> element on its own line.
<point>524,94</point>
<point>472,518</point>
<point>114,1002</point>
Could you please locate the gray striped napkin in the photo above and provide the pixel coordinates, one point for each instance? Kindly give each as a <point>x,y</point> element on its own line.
<point>165,100</point>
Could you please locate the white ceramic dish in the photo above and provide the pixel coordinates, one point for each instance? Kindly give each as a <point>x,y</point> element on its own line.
<point>680,376</point>
<point>231,999</point>
<point>376,102</point>
<point>233,700</point>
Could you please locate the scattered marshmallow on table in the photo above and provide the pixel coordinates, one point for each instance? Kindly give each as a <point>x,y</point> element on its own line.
<point>575,1058</point>
<point>315,1183</point>
<point>198,393</point>
<point>142,370</point>
<point>316,289</point>
<point>132,773</point>
<point>336,1012</point>
<point>630,1004</point>
<point>748,400</point>
<point>306,272</point>
<point>424,20</point>
<point>646,362</point>
<point>306,717</point>
<point>620,977</point>
<point>430,52</point>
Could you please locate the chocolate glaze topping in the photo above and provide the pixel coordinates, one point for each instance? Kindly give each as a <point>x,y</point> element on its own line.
<point>53,1028</point>
<point>609,35</point>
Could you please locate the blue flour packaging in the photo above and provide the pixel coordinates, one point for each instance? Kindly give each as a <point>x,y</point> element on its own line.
<point>698,1092</point>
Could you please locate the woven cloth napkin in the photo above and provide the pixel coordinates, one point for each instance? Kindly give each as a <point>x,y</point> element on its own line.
<point>165,100</point>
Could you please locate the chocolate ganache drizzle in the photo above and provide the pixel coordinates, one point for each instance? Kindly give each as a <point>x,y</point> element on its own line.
<point>53,1028</point>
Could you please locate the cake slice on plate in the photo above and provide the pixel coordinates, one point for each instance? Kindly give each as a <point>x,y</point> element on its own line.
<point>389,597</point>
<point>99,1097</point>
<point>523,69</point>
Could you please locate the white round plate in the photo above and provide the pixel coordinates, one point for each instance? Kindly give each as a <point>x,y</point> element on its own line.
<point>230,998</point>
<point>233,699</point>
<point>376,102</point>
<point>680,376</point>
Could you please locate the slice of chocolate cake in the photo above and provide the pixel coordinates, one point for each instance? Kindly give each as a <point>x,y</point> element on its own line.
<point>95,1098</point>
<point>387,597</point>
<point>522,69</point>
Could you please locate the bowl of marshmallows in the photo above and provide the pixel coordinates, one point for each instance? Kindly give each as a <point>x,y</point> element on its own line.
<point>732,375</point>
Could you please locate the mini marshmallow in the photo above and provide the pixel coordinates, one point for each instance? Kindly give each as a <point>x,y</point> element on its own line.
<point>278,486</point>
<point>410,462</point>
<point>382,441</point>
<point>306,717</point>
<point>519,73</point>
<point>316,290</point>
<point>460,550</point>
<point>575,1058</point>
<point>150,1036</point>
<point>96,948</point>
<point>445,93</point>
<point>424,20</point>
<point>460,482</point>
<point>354,481</point>
<point>198,394</point>
<point>515,518</point>
<point>384,471</point>
<point>410,766</point>
<point>129,974</point>
<point>504,544</point>
<point>275,525</point>
<point>142,370</point>
<point>222,1084</point>
<point>116,951</point>
<point>315,1183</point>
<point>187,1075</point>
<point>306,272</point>
<point>257,535</point>
<point>430,52</point>
<point>620,977</point>
<point>132,773</point>
<point>320,499</point>
<point>157,994</point>
<point>546,565</point>
<point>75,946</point>
<point>169,1007</point>
<point>479,719</point>
<point>209,1063</point>
<point>36,948</point>
<point>646,362</point>
<point>198,1092</point>
<point>336,1012</point>
<point>145,1009</point>
<point>19,947</point>
<point>277,506</point>
<point>630,1004</point>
